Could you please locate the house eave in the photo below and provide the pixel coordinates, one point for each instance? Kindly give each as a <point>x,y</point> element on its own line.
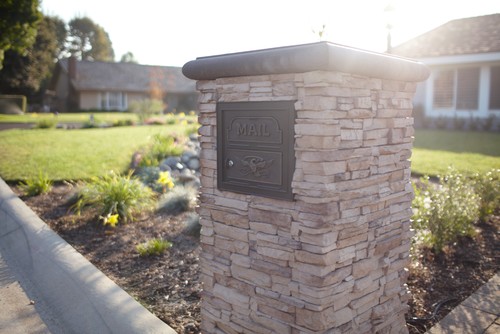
<point>462,59</point>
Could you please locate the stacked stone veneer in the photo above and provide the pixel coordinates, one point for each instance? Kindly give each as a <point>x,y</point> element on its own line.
<point>333,260</point>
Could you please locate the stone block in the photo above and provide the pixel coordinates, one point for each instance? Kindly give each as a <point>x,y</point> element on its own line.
<point>326,259</point>
<point>252,276</point>
<point>274,269</point>
<point>366,302</point>
<point>231,203</point>
<point>317,129</point>
<point>345,106</point>
<point>325,168</point>
<point>364,267</point>
<point>375,134</point>
<point>319,142</point>
<point>363,102</point>
<point>230,218</point>
<point>361,113</point>
<point>286,317</point>
<point>261,83</point>
<point>284,89</point>
<point>231,296</point>
<point>241,260</point>
<point>351,124</point>
<point>267,228</point>
<point>319,103</point>
<point>231,245</point>
<point>314,78</point>
<point>231,232</point>
<point>319,115</point>
<point>275,253</point>
<point>328,91</point>
<point>327,319</point>
<point>272,325</point>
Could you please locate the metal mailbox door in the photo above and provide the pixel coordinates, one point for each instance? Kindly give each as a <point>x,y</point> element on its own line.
<point>255,152</point>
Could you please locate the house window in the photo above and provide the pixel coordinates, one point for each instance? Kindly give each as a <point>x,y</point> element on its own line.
<point>457,89</point>
<point>113,101</point>
<point>444,89</point>
<point>467,88</point>
<point>495,88</point>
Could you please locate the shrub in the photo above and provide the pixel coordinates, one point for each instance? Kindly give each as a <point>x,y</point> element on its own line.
<point>191,129</point>
<point>123,122</point>
<point>458,123</point>
<point>447,211</point>
<point>178,200</point>
<point>192,225</point>
<point>154,121</point>
<point>489,123</point>
<point>488,187</point>
<point>36,185</point>
<point>441,122</point>
<point>474,124</point>
<point>116,194</point>
<point>160,148</point>
<point>146,108</point>
<point>149,175</point>
<point>46,123</point>
<point>153,247</point>
<point>171,120</point>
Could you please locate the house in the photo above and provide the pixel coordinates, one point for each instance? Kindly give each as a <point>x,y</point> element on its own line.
<point>464,58</point>
<point>94,85</point>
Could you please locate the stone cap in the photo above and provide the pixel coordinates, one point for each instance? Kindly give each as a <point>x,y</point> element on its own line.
<point>321,56</point>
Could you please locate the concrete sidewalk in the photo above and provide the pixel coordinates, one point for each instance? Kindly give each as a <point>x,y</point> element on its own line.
<point>46,286</point>
<point>19,314</point>
<point>478,314</point>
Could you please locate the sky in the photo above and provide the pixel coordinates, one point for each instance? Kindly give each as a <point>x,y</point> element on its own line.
<point>173,32</point>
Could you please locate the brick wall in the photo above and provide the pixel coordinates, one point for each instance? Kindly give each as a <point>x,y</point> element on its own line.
<point>335,257</point>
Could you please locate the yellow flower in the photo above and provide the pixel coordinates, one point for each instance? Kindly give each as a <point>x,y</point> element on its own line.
<point>166,180</point>
<point>111,220</point>
<point>184,122</point>
<point>182,114</point>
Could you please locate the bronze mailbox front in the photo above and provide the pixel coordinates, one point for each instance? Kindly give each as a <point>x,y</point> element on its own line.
<point>255,152</point>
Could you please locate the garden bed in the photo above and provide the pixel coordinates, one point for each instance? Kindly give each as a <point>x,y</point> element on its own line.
<point>169,287</point>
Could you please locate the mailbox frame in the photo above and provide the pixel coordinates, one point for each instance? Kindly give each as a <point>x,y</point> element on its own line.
<point>282,148</point>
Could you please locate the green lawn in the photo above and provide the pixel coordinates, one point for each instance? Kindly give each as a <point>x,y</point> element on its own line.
<point>72,154</point>
<point>435,150</point>
<point>77,117</point>
<point>80,154</point>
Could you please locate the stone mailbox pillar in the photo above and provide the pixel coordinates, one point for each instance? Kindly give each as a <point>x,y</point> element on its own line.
<point>306,194</point>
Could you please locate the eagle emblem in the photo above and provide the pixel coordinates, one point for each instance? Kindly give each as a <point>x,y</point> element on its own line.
<point>256,166</point>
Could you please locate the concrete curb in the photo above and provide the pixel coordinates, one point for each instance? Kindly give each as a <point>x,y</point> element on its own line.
<point>79,296</point>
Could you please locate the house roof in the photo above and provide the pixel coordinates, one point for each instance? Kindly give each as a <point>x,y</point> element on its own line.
<point>129,77</point>
<point>471,35</point>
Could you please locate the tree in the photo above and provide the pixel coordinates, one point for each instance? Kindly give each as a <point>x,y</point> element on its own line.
<point>101,45</point>
<point>18,25</point>
<point>128,57</point>
<point>89,41</point>
<point>23,74</point>
<point>62,35</point>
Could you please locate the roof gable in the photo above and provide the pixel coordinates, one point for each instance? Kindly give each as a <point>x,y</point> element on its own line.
<point>130,77</point>
<point>471,35</point>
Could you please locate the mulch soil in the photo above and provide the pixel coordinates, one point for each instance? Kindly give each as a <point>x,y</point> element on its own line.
<point>168,284</point>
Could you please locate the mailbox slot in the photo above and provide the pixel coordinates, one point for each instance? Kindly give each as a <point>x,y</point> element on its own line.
<point>255,153</point>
